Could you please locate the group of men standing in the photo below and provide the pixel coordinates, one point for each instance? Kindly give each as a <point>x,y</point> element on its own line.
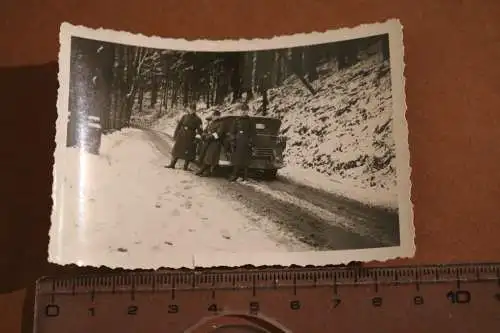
<point>237,139</point>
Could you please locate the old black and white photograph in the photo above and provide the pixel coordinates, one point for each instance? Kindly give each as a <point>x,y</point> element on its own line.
<point>200,153</point>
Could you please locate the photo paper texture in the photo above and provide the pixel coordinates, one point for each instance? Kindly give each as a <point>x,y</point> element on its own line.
<point>278,151</point>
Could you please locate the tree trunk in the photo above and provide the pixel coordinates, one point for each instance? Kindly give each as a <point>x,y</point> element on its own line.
<point>207,98</point>
<point>236,70</point>
<point>247,69</point>
<point>162,102</point>
<point>297,62</point>
<point>222,88</point>
<point>162,87</point>
<point>311,61</point>
<point>275,70</point>
<point>164,98</point>
<point>213,88</point>
<point>347,54</point>
<point>134,79</point>
<point>96,95</point>
<point>301,77</point>
<point>264,67</point>
<point>279,70</point>
<point>265,102</point>
<point>175,92</point>
<point>117,86</point>
<point>185,91</point>
<point>154,90</point>
<point>385,47</point>
<point>236,86</point>
<point>124,86</point>
<point>140,98</point>
<point>89,91</point>
<point>74,92</point>
<point>106,58</point>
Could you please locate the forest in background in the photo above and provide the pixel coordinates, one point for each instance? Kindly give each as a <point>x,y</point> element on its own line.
<point>108,81</point>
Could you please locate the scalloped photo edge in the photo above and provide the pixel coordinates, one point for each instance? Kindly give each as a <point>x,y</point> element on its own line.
<point>59,251</point>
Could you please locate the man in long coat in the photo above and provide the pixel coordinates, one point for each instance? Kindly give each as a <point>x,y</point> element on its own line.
<point>213,138</point>
<point>185,138</point>
<point>241,133</point>
<point>204,143</point>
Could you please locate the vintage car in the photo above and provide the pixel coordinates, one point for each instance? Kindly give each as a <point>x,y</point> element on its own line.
<point>268,145</point>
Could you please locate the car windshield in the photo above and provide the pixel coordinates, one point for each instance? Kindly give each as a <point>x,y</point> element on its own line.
<point>264,126</point>
<point>267,126</point>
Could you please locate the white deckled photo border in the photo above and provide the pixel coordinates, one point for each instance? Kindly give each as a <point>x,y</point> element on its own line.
<point>392,27</point>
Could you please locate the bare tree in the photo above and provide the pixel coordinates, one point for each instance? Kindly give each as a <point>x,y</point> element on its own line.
<point>118,79</point>
<point>89,93</point>
<point>297,68</point>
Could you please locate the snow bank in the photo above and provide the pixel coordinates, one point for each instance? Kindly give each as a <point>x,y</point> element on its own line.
<point>146,116</point>
<point>167,124</point>
<point>129,211</point>
<point>344,132</point>
<point>345,187</point>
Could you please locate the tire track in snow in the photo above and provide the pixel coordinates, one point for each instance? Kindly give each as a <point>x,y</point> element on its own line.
<point>368,221</point>
<point>311,224</point>
<point>326,212</point>
<point>162,142</point>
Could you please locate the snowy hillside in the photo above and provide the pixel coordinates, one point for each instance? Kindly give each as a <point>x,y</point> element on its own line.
<point>346,129</point>
<point>341,135</point>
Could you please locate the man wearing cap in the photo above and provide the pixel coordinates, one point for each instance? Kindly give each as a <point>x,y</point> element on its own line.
<point>213,137</point>
<point>185,138</point>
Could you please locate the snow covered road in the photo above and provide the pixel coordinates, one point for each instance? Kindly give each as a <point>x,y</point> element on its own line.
<point>317,218</point>
<point>124,209</point>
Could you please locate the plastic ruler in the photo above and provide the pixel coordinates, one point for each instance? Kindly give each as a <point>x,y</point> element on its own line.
<point>443,298</point>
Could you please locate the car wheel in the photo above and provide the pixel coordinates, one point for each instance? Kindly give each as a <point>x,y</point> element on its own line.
<point>270,174</point>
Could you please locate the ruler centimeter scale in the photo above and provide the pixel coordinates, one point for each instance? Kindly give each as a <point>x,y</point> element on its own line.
<point>454,298</point>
